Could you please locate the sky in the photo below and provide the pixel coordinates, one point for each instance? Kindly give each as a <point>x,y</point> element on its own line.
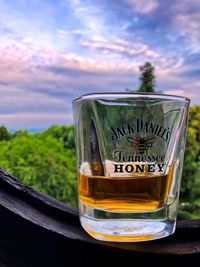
<point>52,51</point>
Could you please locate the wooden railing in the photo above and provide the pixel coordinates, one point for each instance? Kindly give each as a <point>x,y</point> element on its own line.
<point>37,230</point>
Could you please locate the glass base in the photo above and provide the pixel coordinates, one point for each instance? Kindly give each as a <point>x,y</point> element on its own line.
<point>126,227</point>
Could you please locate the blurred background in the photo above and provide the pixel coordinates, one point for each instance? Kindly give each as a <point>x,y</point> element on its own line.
<point>52,51</point>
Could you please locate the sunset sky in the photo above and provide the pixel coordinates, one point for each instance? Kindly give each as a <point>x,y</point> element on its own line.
<point>52,51</point>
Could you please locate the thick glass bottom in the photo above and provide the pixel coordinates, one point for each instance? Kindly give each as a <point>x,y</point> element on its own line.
<point>126,227</point>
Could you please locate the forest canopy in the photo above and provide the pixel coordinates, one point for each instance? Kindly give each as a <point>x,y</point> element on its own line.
<point>46,161</point>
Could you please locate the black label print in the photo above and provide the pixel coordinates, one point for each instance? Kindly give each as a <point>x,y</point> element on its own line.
<point>141,144</point>
<point>140,136</point>
<point>120,168</point>
<point>152,128</point>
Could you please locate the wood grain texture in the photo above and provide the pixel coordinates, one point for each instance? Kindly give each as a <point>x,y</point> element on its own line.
<point>37,230</point>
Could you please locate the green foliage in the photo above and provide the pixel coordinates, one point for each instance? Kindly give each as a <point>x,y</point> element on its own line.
<point>42,162</point>
<point>147,78</point>
<point>21,133</point>
<point>46,161</point>
<point>190,186</point>
<point>65,134</point>
<point>4,134</point>
<point>189,210</point>
<point>191,171</point>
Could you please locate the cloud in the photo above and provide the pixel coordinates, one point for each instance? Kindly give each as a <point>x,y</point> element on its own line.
<point>31,120</point>
<point>192,94</point>
<point>136,50</point>
<point>120,47</point>
<point>90,17</point>
<point>182,19</point>
<point>18,99</point>
<point>180,92</point>
<point>63,34</point>
<point>72,47</point>
<point>190,25</point>
<point>143,6</point>
<point>52,80</point>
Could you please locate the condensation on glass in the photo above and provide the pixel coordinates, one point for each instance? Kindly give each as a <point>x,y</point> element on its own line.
<point>130,151</point>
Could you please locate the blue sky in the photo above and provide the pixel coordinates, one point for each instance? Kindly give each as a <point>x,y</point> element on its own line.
<point>52,51</point>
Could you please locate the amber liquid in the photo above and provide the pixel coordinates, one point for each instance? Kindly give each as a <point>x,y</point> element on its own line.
<point>125,194</point>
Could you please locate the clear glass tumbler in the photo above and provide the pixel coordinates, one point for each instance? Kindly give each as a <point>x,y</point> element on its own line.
<point>130,152</point>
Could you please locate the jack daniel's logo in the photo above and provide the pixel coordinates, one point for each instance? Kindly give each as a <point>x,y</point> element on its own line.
<point>141,136</point>
<point>152,128</point>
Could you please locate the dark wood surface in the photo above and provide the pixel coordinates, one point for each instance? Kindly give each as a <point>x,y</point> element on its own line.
<point>37,230</point>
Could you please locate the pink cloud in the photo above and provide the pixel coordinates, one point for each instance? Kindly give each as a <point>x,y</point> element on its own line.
<point>143,6</point>
<point>26,70</point>
<point>34,120</point>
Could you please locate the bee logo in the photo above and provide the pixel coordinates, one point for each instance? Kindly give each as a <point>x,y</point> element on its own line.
<point>141,144</point>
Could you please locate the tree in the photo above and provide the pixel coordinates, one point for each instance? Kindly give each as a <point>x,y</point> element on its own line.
<point>43,163</point>
<point>4,134</point>
<point>63,133</point>
<point>191,172</point>
<point>147,78</point>
<point>21,133</point>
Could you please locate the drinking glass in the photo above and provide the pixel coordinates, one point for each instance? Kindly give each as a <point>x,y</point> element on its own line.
<point>130,152</point>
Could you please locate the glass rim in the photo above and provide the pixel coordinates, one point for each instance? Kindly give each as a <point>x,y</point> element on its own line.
<point>129,94</point>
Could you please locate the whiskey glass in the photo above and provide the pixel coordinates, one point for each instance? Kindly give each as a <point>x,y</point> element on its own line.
<point>130,152</point>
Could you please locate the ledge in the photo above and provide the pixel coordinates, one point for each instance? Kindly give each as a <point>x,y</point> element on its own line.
<point>37,230</point>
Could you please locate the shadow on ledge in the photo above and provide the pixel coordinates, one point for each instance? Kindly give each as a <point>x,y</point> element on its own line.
<point>37,230</point>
